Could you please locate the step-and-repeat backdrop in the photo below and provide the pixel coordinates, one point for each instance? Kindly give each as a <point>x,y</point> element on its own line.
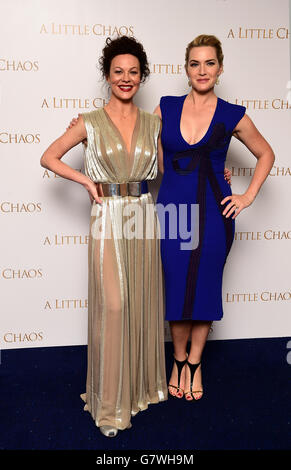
<point>48,74</point>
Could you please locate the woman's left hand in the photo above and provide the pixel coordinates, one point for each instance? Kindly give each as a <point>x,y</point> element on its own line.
<point>237,202</point>
<point>227,175</point>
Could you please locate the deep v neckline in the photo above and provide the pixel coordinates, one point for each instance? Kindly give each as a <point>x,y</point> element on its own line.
<point>208,130</point>
<point>133,136</point>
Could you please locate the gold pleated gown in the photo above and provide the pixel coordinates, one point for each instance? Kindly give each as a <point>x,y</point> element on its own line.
<point>126,363</point>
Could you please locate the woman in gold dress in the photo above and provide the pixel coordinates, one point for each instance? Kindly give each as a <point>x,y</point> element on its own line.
<point>126,364</point>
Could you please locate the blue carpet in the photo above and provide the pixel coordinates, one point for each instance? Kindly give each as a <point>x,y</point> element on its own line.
<point>246,405</point>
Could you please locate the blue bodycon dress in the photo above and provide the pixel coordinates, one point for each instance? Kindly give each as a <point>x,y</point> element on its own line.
<point>195,244</point>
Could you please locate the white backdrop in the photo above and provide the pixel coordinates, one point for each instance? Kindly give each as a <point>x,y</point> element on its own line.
<point>48,73</point>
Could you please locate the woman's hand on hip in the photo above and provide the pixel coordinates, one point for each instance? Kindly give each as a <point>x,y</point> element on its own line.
<point>94,191</point>
<point>236,203</point>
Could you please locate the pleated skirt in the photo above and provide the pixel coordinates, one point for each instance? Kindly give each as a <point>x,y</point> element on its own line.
<point>126,362</point>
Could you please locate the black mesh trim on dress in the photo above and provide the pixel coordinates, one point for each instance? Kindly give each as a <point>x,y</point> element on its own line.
<point>200,157</point>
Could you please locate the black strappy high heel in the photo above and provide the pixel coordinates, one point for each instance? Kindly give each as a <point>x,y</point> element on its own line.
<point>180,365</point>
<point>193,368</point>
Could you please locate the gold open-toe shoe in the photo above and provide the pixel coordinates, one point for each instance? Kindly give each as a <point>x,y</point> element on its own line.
<point>108,431</point>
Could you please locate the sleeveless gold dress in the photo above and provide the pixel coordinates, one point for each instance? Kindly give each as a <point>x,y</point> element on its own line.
<point>126,364</point>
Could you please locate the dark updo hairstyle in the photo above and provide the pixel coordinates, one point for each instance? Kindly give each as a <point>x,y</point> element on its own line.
<point>123,45</point>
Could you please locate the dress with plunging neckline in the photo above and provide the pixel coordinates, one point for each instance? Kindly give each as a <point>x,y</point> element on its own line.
<point>132,142</point>
<point>209,127</point>
<point>193,262</point>
<point>126,364</point>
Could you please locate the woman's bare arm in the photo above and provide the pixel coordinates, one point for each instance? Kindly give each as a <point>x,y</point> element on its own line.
<point>249,135</point>
<point>51,158</point>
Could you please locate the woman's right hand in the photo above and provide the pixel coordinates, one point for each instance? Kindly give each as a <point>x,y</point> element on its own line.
<point>73,123</point>
<point>94,190</point>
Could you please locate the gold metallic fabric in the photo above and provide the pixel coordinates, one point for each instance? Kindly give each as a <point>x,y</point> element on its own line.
<point>126,363</point>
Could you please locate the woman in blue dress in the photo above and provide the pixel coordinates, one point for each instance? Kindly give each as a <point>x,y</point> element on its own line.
<point>196,133</point>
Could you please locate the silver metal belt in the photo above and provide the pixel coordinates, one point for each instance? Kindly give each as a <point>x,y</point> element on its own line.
<point>122,189</point>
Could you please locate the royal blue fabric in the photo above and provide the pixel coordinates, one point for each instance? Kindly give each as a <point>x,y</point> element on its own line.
<point>144,187</point>
<point>194,174</point>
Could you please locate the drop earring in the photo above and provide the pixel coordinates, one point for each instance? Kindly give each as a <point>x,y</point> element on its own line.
<point>217,80</point>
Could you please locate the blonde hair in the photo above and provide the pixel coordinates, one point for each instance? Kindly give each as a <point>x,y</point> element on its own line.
<point>205,40</point>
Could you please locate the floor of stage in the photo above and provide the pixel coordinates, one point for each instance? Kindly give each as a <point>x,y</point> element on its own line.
<point>246,403</point>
